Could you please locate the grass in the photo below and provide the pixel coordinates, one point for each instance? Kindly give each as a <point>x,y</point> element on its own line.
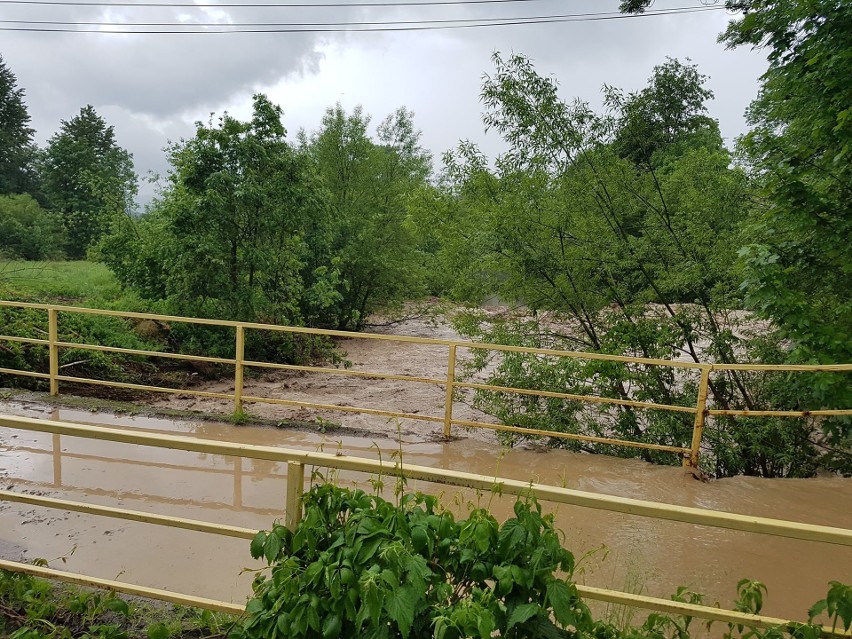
<point>66,282</point>
<point>78,283</point>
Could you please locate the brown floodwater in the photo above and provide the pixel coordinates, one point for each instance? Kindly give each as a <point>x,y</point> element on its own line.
<point>624,552</point>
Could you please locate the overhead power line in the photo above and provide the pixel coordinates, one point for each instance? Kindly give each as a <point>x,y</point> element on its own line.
<point>329,27</point>
<point>460,21</point>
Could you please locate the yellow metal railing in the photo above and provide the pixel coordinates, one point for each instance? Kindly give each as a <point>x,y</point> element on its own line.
<point>450,382</point>
<point>297,460</point>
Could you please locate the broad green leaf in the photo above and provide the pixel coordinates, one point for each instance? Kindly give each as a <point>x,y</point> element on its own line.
<point>522,613</point>
<point>272,547</point>
<point>400,605</point>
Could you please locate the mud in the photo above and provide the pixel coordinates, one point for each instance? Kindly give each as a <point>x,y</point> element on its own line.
<point>396,358</point>
<point>627,553</point>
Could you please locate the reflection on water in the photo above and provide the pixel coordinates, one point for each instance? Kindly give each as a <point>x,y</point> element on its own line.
<point>639,554</point>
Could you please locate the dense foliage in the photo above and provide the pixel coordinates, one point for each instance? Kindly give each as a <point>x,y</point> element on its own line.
<point>16,137</point>
<point>87,178</point>
<point>358,565</point>
<point>624,229</point>
<point>369,182</point>
<point>253,227</point>
<point>798,260</point>
<point>795,257</point>
<point>29,232</point>
<point>238,233</point>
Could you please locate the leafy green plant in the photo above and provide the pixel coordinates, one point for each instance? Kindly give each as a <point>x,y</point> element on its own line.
<point>358,565</point>
<point>837,605</point>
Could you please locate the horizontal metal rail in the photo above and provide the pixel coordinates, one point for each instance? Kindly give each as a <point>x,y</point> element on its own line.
<point>123,587</point>
<point>573,436</point>
<point>142,387</point>
<point>450,383</point>
<point>783,368</point>
<point>14,371</point>
<point>694,610</point>
<point>588,592</point>
<point>781,413</point>
<point>594,399</point>
<point>129,515</point>
<point>136,351</point>
<point>24,340</point>
<point>685,514</point>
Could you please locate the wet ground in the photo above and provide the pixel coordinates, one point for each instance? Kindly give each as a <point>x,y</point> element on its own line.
<point>635,554</point>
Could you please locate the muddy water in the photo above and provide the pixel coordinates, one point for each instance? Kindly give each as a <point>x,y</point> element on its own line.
<point>636,554</point>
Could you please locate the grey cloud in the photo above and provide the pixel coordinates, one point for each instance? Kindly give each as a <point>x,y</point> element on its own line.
<point>153,87</point>
<point>154,74</point>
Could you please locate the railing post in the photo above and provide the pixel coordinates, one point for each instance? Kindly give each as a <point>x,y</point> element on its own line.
<point>295,488</point>
<point>53,350</point>
<point>239,356</point>
<point>700,412</point>
<point>57,460</point>
<point>448,401</point>
<point>238,482</point>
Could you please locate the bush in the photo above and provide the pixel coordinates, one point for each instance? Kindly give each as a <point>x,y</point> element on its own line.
<point>360,566</point>
<point>88,329</point>
<point>27,231</point>
<point>763,446</point>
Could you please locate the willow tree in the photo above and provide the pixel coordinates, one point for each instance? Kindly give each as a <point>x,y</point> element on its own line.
<point>623,225</point>
<point>369,178</point>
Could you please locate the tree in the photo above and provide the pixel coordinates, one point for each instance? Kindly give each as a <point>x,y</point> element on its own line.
<point>241,231</point>
<point>670,112</point>
<point>798,268</point>
<point>27,231</point>
<point>369,182</point>
<point>16,137</point>
<point>87,178</point>
<point>631,249</point>
<point>797,263</point>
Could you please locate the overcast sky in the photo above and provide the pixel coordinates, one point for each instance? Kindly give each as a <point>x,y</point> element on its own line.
<point>152,88</point>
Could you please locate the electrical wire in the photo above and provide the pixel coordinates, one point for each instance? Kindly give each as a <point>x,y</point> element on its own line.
<point>460,21</point>
<point>218,28</point>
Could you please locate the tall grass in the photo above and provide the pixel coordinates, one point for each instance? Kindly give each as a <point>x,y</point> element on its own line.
<point>69,282</point>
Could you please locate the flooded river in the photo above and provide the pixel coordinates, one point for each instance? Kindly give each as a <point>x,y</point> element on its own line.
<point>633,553</point>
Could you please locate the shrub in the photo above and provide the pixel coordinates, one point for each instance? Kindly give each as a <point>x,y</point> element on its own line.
<point>360,566</point>
<point>27,231</point>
